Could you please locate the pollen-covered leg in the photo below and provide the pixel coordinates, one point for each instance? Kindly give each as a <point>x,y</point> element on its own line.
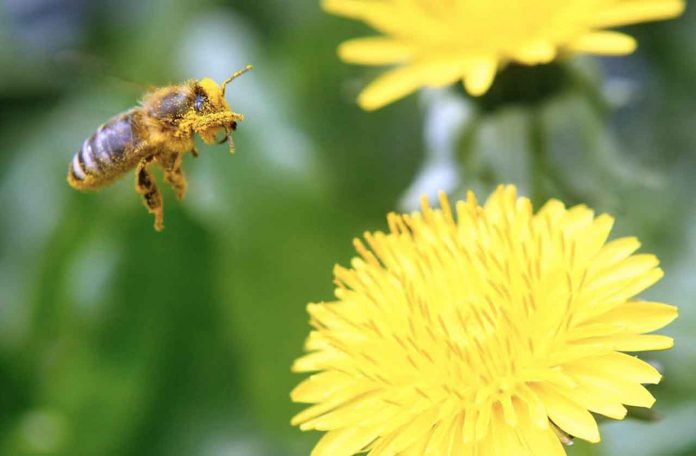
<point>145,185</point>
<point>230,143</point>
<point>216,120</point>
<point>174,175</point>
<point>207,126</point>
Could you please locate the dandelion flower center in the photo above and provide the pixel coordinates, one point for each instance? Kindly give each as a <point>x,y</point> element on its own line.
<point>437,42</point>
<point>484,333</point>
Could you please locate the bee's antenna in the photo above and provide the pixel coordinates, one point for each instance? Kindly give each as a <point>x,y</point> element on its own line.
<point>235,76</point>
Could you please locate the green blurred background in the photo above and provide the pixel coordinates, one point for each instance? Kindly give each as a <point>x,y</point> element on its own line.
<point>117,340</point>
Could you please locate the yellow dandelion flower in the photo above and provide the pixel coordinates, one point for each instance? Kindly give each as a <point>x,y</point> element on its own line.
<point>487,334</point>
<point>438,42</point>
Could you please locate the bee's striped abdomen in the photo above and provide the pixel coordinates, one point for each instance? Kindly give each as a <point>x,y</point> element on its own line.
<point>111,151</point>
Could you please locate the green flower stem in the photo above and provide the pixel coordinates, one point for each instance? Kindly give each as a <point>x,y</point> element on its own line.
<point>473,172</point>
<point>538,148</point>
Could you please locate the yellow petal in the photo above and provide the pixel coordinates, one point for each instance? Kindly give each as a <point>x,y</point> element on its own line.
<point>536,52</point>
<point>640,316</point>
<point>634,266</point>
<point>321,387</point>
<point>591,238</point>
<point>598,401</point>
<point>626,391</point>
<point>625,13</point>
<point>382,16</point>
<point>438,439</point>
<point>403,81</point>
<point>616,250</point>
<point>410,432</point>
<point>603,295</point>
<point>390,87</point>
<point>619,364</point>
<point>604,43</point>
<point>552,210</point>
<point>567,415</point>
<point>369,412</point>
<point>480,77</point>
<point>540,441</point>
<point>317,342</point>
<point>630,343</point>
<point>317,361</point>
<point>502,440</point>
<point>536,410</point>
<point>344,442</point>
<point>374,51</point>
<point>348,398</point>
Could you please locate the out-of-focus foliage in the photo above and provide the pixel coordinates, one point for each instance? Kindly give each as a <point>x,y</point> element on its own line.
<point>117,340</point>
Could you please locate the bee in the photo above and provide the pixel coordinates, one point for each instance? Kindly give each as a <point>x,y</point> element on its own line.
<point>158,132</point>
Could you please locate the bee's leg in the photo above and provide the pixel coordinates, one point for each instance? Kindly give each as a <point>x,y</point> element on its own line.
<point>145,185</point>
<point>174,175</point>
<point>194,152</point>
<point>230,142</point>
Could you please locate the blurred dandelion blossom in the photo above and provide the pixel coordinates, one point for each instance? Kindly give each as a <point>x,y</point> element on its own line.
<point>485,334</point>
<point>438,42</point>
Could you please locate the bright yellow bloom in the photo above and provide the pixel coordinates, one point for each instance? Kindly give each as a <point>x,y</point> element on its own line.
<point>438,42</point>
<point>481,335</point>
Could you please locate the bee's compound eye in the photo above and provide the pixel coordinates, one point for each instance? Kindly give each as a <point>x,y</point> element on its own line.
<point>199,103</point>
<point>234,126</point>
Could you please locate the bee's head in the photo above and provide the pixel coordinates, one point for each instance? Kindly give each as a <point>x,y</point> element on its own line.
<point>210,97</point>
<point>209,102</point>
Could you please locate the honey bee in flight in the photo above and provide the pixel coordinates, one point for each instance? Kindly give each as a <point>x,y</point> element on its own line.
<point>159,132</point>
